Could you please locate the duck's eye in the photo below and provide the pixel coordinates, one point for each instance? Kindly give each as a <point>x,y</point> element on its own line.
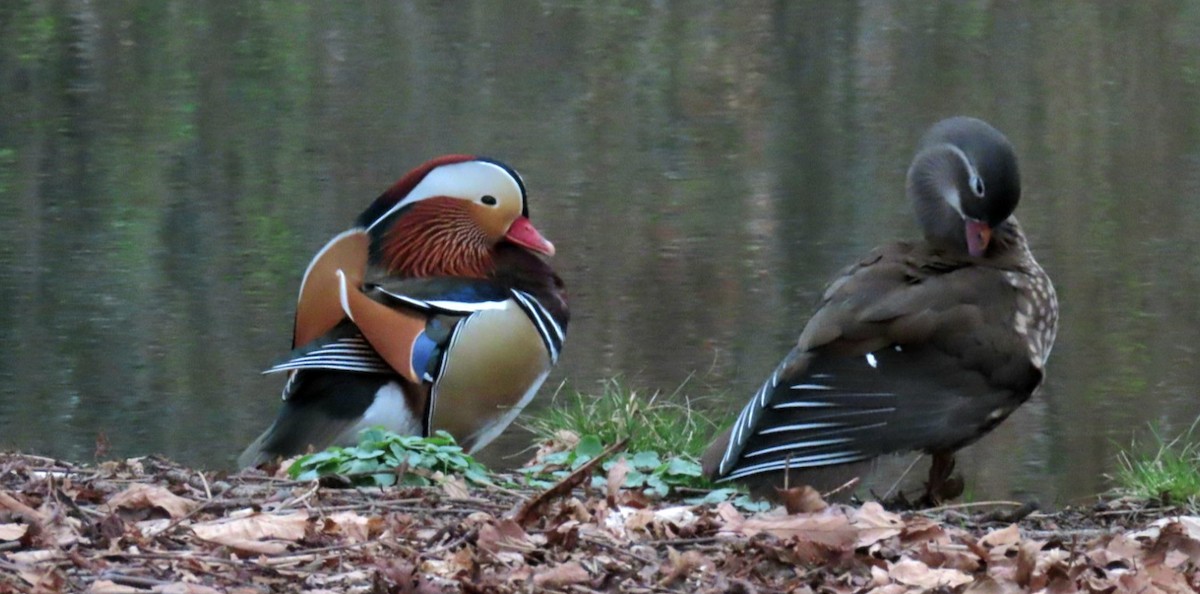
<point>977,185</point>
<point>488,200</point>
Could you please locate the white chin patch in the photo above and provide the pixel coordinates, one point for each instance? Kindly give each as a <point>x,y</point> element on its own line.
<point>954,200</point>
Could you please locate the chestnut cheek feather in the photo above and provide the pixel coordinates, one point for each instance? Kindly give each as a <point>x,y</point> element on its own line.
<point>436,238</point>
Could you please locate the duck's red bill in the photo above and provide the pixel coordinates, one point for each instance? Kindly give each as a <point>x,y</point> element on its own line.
<point>525,235</point>
<point>979,234</point>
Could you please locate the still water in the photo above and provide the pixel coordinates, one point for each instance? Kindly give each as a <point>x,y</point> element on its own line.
<point>168,168</point>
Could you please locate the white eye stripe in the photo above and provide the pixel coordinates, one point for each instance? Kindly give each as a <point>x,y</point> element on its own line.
<point>976,184</point>
<point>469,178</point>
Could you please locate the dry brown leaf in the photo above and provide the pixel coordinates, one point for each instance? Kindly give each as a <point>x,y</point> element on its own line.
<point>35,556</point>
<point>1121,547</point>
<point>801,500</point>
<point>922,529</point>
<point>141,496</point>
<point>43,580</point>
<point>947,557</point>
<point>1191,524</point>
<point>560,576</point>
<point>463,560</point>
<point>13,531</point>
<point>109,587</point>
<point>402,577</point>
<point>1059,582</point>
<point>352,526</point>
<point>911,572</point>
<point>888,589</point>
<point>636,520</point>
<point>830,529</point>
<point>455,487</point>
<point>879,577</point>
<point>616,478</point>
<point>504,535</point>
<point>1166,579</point>
<point>264,533</point>
<point>15,505</point>
<point>1027,555</point>
<point>184,588</point>
<point>875,524</point>
<point>681,565</point>
<point>1002,539</point>
<point>1173,546</point>
<point>988,585</point>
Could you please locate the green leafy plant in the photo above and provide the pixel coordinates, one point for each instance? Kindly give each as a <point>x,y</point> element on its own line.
<point>653,423</point>
<point>554,466</point>
<point>667,434</point>
<point>1169,471</point>
<point>383,459</point>
<point>647,471</point>
<point>736,496</point>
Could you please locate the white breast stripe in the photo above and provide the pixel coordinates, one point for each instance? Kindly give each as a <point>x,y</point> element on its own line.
<point>321,252</point>
<point>446,305</point>
<point>543,321</point>
<point>550,321</point>
<point>464,307</point>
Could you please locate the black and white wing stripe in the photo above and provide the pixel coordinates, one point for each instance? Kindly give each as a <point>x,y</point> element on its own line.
<point>349,353</point>
<point>820,417</point>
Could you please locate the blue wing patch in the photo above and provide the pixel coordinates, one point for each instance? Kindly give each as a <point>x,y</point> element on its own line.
<point>424,351</point>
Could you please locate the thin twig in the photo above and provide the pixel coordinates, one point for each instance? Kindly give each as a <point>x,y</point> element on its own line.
<point>847,485</point>
<point>567,484</point>
<point>955,506</point>
<point>207,490</point>
<point>168,556</point>
<point>462,538</point>
<point>901,479</point>
<point>309,554</point>
<point>675,542</point>
<point>131,580</point>
<point>316,486</point>
<point>616,548</point>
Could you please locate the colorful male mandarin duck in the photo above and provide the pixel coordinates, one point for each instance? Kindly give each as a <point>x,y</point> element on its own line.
<point>436,311</point>
<point>922,345</point>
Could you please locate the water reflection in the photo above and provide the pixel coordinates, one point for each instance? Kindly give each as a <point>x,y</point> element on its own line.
<point>167,169</point>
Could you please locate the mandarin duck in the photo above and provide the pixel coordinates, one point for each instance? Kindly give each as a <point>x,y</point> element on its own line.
<point>436,311</point>
<point>920,346</point>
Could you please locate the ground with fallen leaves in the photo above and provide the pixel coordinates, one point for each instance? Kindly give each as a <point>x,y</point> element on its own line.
<point>148,525</point>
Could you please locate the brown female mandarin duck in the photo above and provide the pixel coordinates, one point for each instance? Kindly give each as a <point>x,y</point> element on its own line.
<point>436,311</point>
<point>922,345</point>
